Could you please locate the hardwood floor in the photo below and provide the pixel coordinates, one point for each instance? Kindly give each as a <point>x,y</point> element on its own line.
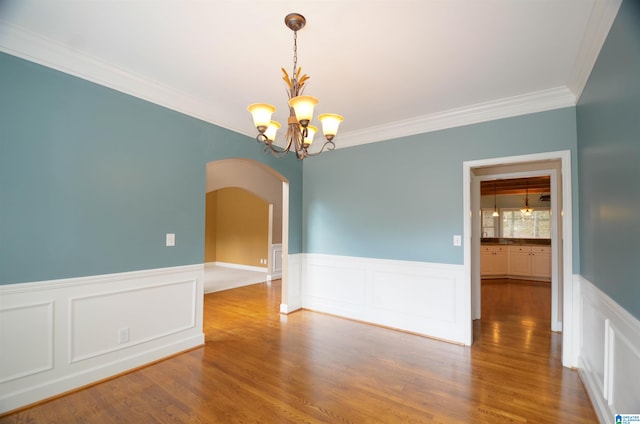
<point>262,367</point>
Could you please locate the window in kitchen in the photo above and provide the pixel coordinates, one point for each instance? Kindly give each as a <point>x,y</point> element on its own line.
<point>515,224</point>
<point>490,224</point>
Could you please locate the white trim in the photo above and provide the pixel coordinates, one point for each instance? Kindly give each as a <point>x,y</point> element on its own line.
<point>292,296</point>
<point>540,101</point>
<point>556,320</point>
<point>570,349</point>
<point>270,244</point>
<point>240,266</point>
<point>25,44</point>
<point>609,360</point>
<point>419,297</point>
<point>600,21</point>
<point>46,348</point>
<point>275,261</point>
<point>74,342</point>
<point>33,47</point>
<point>37,286</point>
<point>145,291</point>
<point>284,296</point>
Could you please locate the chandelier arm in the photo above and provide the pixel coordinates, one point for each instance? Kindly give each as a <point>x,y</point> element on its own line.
<point>276,153</point>
<point>329,145</point>
<point>269,147</point>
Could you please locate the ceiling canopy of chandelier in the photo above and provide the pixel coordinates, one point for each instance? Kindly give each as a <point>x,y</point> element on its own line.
<point>299,134</point>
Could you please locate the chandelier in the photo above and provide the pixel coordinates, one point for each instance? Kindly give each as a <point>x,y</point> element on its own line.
<point>299,134</point>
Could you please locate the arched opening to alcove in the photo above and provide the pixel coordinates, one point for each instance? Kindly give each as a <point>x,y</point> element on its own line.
<point>248,183</point>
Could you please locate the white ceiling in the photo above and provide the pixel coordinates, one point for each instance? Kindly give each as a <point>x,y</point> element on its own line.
<point>392,67</point>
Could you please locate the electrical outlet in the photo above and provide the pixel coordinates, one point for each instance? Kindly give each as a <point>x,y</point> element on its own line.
<point>123,335</point>
<point>457,240</point>
<point>170,240</point>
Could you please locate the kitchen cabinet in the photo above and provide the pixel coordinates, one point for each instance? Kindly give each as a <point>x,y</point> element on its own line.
<point>530,262</point>
<point>541,262</point>
<point>493,261</point>
<point>520,261</point>
<point>516,261</point>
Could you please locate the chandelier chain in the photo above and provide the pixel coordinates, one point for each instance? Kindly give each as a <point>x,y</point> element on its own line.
<point>295,64</point>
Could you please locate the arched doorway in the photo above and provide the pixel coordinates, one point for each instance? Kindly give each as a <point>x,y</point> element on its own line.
<point>267,184</point>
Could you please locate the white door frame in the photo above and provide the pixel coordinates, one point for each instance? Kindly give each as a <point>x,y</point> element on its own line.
<point>471,187</point>
<point>556,321</point>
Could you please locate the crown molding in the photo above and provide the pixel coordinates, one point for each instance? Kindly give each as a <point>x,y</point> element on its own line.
<point>44,51</point>
<point>539,101</point>
<point>600,21</point>
<point>35,48</point>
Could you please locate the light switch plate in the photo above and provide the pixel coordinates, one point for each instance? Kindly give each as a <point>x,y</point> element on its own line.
<point>457,240</point>
<point>171,239</point>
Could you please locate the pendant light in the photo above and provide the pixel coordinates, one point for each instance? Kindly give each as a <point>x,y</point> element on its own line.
<point>526,210</point>
<point>495,207</point>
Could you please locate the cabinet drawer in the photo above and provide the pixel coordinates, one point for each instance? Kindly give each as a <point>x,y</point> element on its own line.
<point>541,249</point>
<point>493,249</point>
<point>520,249</point>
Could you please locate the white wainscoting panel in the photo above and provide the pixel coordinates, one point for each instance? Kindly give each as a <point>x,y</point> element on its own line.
<point>96,321</point>
<point>424,298</point>
<point>609,361</point>
<point>63,334</point>
<point>276,261</point>
<point>293,284</point>
<point>21,356</point>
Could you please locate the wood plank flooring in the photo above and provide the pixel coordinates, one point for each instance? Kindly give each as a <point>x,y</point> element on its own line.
<point>262,367</point>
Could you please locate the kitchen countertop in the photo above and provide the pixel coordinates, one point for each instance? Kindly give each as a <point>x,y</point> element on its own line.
<point>514,242</point>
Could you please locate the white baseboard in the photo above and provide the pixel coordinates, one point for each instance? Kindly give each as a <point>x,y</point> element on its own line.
<point>81,330</point>
<point>609,359</point>
<point>419,297</point>
<point>240,266</point>
<point>217,279</point>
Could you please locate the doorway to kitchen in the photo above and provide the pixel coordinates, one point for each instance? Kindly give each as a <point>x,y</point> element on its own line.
<point>555,166</point>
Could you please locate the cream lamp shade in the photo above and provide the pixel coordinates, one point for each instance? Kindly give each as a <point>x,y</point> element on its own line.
<point>272,129</point>
<point>303,106</point>
<point>261,113</point>
<point>311,131</point>
<point>330,124</point>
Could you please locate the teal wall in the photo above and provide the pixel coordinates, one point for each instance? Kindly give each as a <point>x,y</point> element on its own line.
<point>402,199</point>
<point>608,124</point>
<point>91,179</point>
